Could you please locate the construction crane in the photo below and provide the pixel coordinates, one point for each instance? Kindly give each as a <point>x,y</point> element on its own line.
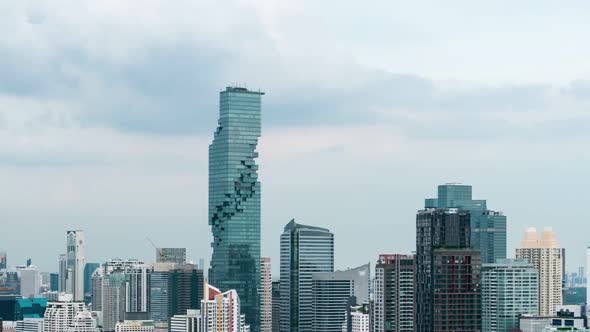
<point>158,250</point>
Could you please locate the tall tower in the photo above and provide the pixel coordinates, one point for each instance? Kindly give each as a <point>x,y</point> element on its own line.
<point>488,228</point>
<point>304,251</point>
<point>265,296</point>
<point>234,199</point>
<point>75,262</point>
<point>547,257</point>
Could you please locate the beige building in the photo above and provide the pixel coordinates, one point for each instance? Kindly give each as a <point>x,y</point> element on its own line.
<point>265,295</point>
<point>547,257</point>
<point>135,326</point>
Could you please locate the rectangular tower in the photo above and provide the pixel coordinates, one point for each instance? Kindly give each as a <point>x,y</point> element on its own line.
<point>234,199</point>
<point>265,296</point>
<point>75,262</point>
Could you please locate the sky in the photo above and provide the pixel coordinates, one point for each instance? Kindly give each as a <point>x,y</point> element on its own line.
<point>107,109</point>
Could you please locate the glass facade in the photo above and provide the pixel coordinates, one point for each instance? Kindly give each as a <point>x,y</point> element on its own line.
<point>234,199</point>
<point>488,228</point>
<point>304,251</point>
<point>160,296</point>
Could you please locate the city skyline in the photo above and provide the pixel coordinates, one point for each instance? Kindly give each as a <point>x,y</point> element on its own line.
<point>101,142</point>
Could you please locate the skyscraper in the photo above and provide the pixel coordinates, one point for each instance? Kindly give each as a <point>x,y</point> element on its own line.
<point>331,295</point>
<point>276,306</point>
<point>89,269</point>
<point>488,228</point>
<point>547,257</point>
<point>394,293</point>
<point>60,315</point>
<point>161,292</point>
<point>75,263</point>
<point>30,281</point>
<point>3,260</point>
<point>221,311</point>
<point>265,296</point>
<point>234,199</point>
<point>304,251</point>
<point>448,272</point>
<point>510,288</point>
<point>63,272</point>
<point>186,288</point>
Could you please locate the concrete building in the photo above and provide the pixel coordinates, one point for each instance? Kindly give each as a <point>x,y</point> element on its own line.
<point>135,326</point>
<point>63,272</point>
<point>84,321</point>
<point>161,292</point>
<point>359,319</point>
<point>60,315</point>
<point>30,325</point>
<point>304,250</point>
<point>394,293</point>
<point>171,255</point>
<point>510,288</point>
<point>331,294</point>
<point>75,262</point>
<point>221,311</point>
<point>192,321</point>
<point>265,295</point>
<point>30,281</point>
<point>547,257</point>
<point>276,306</point>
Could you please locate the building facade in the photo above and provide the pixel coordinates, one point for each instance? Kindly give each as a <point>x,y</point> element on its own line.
<point>75,262</point>
<point>62,263</point>
<point>190,322</point>
<point>171,255</point>
<point>276,306</point>
<point>332,293</point>
<point>160,293</point>
<point>265,295</point>
<point>221,311</point>
<point>135,326</point>
<point>488,228</point>
<point>547,257</point>
<point>448,272</point>
<point>84,321</point>
<point>186,287</point>
<point>30,281</point>
<point>304,250</point>
<point>510,288</point>
<point>60,315</point>
<point>3,260</point>
<point>394,293</point>
<point>89,269</point>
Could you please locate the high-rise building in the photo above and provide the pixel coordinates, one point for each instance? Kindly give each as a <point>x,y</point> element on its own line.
<point>234,199</point>
<point>30,281</point>
<point>84,321</point>
<point>54,282</point>
<point>488,228</point>
<point>75,262</point>
<point>304,250</point>
<point>221,311</point>
<point>186,287</point>
<point>189,322</point>
<point>3,260</point>
<point>161,292</point>
<point>331,293</point>
<point>357,319</point>
<point>12,282</point>
<point>265,295</point>
<point>60,315</point>
<point>547,257</point>
<point>137,295</point>
<point>135,326</point>
<point>276,306</point>
<point>113,299</point>
<point>31,308</point>
<point>89,269</point>
<point>448,272</point>
<point>63,271</point>
<point>510,288</point>
<point>171,255</point>
<point>30,325</point>
<point>394,293</point>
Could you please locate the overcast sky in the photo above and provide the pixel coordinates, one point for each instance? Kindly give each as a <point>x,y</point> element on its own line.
<point>107,109</point>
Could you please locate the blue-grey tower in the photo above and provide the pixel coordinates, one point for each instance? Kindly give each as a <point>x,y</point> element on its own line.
<point>234,199</point>
<point>488,228</point>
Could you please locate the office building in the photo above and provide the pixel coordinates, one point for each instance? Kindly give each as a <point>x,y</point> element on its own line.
<point>84,321</point>
<point>89,269</point>
<point>234,199</point>
<point>135,326</point>
<point>189,322</point>
<point>8,306</point>
<point>171,255</point>
<point>448,272</point>
<point>510,288</point>
<point>331,294</point>
<point>160,292</point>
<point>394,293</point>
<point>138,288</point>
<point>265,295</point>
<point>3,260</point>
<point>276,306</point>
<point>54,282</point>
<point>304,250</point>
<point>31,308</point>
<point>186,288</point>
<point>357,319</point>
<point>75,262</point>
<point>29,325</point>
<point>63,271</point>
<point>60,315</point>
<point>547,257</point>
<point>488,228</point>
<point>30,281</point>
<point>221,311</point>
<point>113,305</point>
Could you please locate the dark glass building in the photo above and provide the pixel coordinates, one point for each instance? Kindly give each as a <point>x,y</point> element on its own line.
<point>488,228</point>
<point>234,199</point>
<point>186,289</point>
<point>31,308</point>
<point>448,273</point>
<point>53,282</point>
<point>276,306</point>
<point>89,269</point>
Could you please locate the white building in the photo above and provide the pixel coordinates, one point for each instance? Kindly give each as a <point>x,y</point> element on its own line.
<point>60,315</point>
<point>75,262</point>
<point>135,326</point>
<point>359,316</point>
<point>547,257</point>
<point>221,311</point>
<point>191,322</point>
<point>30,281</point>
<point>85,321</point>
<point>265,295</point>
<point>63,273</point>
<point>30,325</point>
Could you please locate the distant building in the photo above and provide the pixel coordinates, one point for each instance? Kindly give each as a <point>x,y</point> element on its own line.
<point>276,306</point>
<point>510,288</point>
<point>135,326</point>
<point>190,322</point>
<point>54,282</point>
<point>394,293</point>
<point>186,288</point>
<point>30,325</point>
<point>171,255</point>
<point>75,262</point>
<point>84,321</point>
<point>11,282</point>
<point>89,269</point>
<point>565,318</point>
<point>8,306</point>
<point>113,299</point>
<point>63,273</point>
<point>265,295</point>
<point>30,281</point>
<point>547,257</point>
<point>60,315</point>
<point>304,250</point>
<point>357,319</point>
<point>221,311</point>
<point>161,292</point>
<point>331,296</point>
<point>3,260</point>
<point>31,308</point>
